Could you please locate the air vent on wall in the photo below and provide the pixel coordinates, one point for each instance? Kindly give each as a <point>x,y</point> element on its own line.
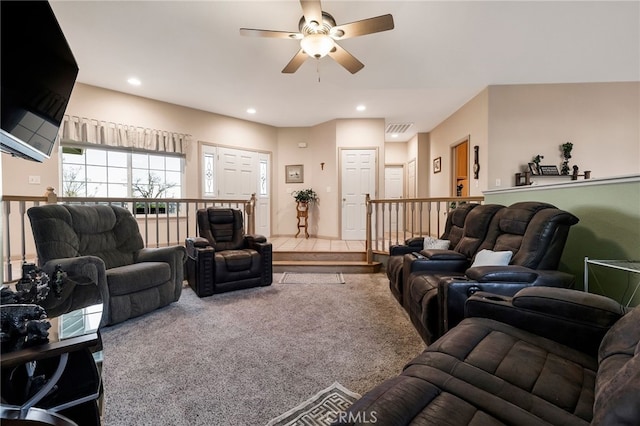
<point>398,128</point>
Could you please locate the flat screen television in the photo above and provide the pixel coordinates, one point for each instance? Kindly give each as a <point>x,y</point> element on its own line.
<point>38,72</point>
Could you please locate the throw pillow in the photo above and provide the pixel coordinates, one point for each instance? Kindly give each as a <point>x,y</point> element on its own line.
<point>434,243</point>
<point>492,258</point>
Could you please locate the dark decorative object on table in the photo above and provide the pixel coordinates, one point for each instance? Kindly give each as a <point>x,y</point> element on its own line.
<point>23,325</point>
<point>23,321</point>
<point>33,287</point>
<point>566,154</point>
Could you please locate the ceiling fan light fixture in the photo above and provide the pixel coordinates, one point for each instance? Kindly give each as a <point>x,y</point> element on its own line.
<point>317,45</point>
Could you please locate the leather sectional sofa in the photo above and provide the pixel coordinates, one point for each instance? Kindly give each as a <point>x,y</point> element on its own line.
<point>435,283</point>
<point>547,356</point>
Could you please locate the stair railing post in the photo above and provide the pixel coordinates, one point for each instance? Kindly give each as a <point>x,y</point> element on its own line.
<point>249,209</point>
<point>368,230</point>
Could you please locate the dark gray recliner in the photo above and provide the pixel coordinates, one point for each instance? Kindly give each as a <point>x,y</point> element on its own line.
<point>103,245</point>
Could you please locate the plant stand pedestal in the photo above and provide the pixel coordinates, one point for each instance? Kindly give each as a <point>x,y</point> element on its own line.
<point>302,210</point>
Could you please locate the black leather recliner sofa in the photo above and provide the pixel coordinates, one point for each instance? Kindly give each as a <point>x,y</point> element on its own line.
<point>437,282</point>
<point>547,356</point>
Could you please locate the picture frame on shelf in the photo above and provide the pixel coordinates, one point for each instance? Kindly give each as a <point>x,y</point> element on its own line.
<point>533,168</point>
<point>294,173</point>
<point>437,165</point>
<point>550,170</point>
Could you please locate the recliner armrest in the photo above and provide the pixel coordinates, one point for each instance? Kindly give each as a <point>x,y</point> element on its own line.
<point>195,244</point>
<point>399,250</point>
<point>434,260</point>
<point>255,238</point>
<point>509,273</point>
<point>571,317</point>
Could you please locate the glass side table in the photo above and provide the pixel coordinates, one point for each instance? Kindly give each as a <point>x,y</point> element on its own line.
<point>632,266</point>
<point>64,372</point>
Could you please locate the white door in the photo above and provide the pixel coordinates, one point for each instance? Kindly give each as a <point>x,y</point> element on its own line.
<point>358,179</point>
<point>234,174</point>
<point>394,189</point>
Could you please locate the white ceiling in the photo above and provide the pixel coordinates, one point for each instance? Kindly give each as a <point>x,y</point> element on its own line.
<point>440,54</point>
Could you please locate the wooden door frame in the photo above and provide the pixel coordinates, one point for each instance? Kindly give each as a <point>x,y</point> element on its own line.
<point>454,176</point>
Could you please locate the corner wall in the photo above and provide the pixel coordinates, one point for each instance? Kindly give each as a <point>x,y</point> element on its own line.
<point>609,227</point>
<point>602,120</point>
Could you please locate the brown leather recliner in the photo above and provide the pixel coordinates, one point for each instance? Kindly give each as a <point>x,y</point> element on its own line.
<point>438,282</point>
<point>224,258</point>
<point>453,231</point>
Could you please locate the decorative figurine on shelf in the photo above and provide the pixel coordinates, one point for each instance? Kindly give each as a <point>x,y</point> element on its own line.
<point>566,154</point>
<point>536,161</point>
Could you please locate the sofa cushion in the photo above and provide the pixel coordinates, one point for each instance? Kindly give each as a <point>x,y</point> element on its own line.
<point>479,222</point>
<point>238,260</point>
<point>435,243</point>
<point>492,258</point>
<point>552,374</point>
<point>137,277</point>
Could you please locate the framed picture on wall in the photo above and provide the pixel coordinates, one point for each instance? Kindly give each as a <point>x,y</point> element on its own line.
<point>437,165</point>
<point>294,173</point>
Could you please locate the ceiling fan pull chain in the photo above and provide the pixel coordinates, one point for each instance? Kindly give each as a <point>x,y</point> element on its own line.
<point>318,69</point>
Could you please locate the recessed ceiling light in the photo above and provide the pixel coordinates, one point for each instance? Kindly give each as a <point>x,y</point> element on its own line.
<point>361,107</point>
<point>134,81</point>
<point>251,110</point>
<point>395,135</point>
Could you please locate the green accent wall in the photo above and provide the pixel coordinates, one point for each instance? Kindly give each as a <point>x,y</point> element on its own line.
<point>609,228</point>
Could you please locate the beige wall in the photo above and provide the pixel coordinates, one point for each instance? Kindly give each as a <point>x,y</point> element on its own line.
<point>513,123</point>
<point>471,120</point>
<point>602,120</point>
<point>510,124</point>
<point>395,153</point>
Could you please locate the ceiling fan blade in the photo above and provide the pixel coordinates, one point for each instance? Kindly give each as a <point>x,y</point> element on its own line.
<point>295,62</point>
<point>362,27</point>
<point>312,10</point>
<point>346,59</point>
<point>269,33</point>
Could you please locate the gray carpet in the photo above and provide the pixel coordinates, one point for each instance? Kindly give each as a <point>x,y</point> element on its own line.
<point>245,357</point>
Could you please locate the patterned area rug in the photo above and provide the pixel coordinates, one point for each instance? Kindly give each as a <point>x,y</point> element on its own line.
<point>311,278</point>
<point>321,409</point>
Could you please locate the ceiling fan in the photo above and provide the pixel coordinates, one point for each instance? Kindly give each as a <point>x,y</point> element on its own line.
<point>318,34</point>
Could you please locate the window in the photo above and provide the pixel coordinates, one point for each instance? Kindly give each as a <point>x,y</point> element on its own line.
<point>91,172</point>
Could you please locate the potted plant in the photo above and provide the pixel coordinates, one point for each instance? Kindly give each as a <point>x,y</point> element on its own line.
<point>305,196</point>
<point>566,155</point>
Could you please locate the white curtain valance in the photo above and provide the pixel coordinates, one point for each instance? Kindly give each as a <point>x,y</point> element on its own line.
<point>88,130</point>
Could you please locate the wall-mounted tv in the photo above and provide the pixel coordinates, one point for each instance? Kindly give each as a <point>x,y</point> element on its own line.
<point>38,72</point>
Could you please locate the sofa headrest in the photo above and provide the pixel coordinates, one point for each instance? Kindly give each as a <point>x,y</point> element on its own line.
<point>108,232</point>
<point>222,227</point>
<point>516,217</point>
<point>476,228</point>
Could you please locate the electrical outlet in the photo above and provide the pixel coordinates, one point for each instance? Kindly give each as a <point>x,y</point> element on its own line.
<point>498,182</point>
<point>34,180</point>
